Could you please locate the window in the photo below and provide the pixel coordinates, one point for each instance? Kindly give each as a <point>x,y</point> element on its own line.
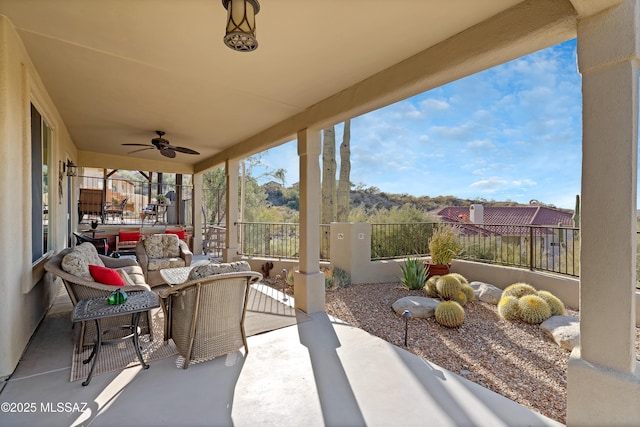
<point>41,170</point>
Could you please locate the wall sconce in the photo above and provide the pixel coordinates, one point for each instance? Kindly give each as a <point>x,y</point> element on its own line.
<point>241,24</point>
<point>69,168</point>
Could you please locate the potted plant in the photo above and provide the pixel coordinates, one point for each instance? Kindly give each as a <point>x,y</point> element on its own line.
<point>444,245</point>
<point>161,199</point>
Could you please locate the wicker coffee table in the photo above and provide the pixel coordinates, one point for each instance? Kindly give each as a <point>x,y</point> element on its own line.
<point>98,308</point>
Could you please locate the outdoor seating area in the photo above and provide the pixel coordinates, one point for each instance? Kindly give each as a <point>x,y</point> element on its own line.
<point>318,371</point>
<point>491,91</point>
<point>77,268</point>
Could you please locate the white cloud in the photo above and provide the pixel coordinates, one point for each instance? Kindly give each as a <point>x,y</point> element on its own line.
<point>524,183</point>
<point>490,185</point>
<point>455,133</point>
<point>432,104</point>
<point>481,145</point>
<point>480,171</point>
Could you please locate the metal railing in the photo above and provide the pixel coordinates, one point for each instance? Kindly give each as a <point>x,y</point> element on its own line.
<point>552,249</point>
<point>399,240</point>
<point>213,240</point>
<point>268,239</point>
<point>277,240</point>
<point>99,197</point>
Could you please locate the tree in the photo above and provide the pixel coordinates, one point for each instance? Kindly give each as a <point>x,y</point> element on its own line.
<point>214,201</point>
<point>344,183</point>
<point>327,212</point>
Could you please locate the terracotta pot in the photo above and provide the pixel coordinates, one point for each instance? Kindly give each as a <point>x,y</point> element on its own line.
<point>437,269</point>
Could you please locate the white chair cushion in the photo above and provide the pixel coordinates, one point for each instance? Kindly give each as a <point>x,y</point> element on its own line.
<point>162,246</point>
<point>77,261</point>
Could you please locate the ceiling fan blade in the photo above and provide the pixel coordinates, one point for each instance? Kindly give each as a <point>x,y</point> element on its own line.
<point>184,150</point>
<point>168,152</point>
<point>141,149</point>
<point>139,145</point>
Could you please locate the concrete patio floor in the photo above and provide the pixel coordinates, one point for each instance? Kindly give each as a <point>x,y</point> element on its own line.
<point>318,373</point>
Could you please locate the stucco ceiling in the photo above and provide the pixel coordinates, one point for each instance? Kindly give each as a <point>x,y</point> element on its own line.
<point>117,70</point>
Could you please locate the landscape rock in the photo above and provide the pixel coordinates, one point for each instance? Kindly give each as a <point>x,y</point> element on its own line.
<point>486,292</point>
<point>564,330</point>
<point>421,307</point>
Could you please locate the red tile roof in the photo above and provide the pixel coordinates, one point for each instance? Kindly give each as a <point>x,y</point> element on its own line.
<point>508,220</point>
<point>511,215</point>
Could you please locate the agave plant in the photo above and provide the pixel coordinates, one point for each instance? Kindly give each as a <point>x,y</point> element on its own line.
<point>414,274</point>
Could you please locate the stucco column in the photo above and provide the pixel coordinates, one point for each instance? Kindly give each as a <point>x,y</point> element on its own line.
<point>603,372</point>
<point>308,279</point>
<point>351,249</point>
<point>231,239</point>
<point>196,213</point>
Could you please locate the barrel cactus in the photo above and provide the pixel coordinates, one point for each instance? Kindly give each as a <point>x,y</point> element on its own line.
<point>533,309</point>
<point>468,292</point>
<point>460,277</point>
<point>430,287</point>
<point>519,290</point>
<point>556,306</point>
<point>448,286</point>
<point>508,308</point>
<point>460,298</point>
<point>450,314</point>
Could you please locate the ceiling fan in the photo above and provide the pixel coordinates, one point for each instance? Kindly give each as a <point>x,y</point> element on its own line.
<point>165,147</point>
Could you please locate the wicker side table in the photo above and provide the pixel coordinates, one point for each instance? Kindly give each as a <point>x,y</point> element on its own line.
<point>98,308</point>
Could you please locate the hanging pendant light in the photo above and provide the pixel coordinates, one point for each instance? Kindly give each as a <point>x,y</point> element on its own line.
<point>241,24</point>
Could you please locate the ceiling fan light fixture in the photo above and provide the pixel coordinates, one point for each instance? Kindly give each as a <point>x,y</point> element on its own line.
<point>241,24</point>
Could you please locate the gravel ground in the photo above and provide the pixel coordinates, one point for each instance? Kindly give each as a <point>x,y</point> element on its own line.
<point>514,359</point>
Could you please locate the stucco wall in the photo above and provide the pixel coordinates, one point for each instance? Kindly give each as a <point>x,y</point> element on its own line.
<point>25,291</point>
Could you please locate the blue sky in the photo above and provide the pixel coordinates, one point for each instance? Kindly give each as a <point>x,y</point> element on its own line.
<point>509,133</point>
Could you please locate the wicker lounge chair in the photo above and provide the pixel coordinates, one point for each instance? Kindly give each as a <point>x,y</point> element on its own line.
<point>81,287</point>
<point>206,315</point>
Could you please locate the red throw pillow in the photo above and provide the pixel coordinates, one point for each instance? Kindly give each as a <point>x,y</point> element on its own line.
<point>179,233</point>
<point>106,276</point>
<point>129,237</point>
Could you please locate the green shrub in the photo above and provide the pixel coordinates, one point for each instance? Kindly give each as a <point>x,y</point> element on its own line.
<point>430,287</point>
<point>448,286</point>
<point>450,314</point>
<point>533,309</point>
<point>556,306</point>
<point>468,292</point>
<point>508,308</point>
<point>414,274</point>
<point>519,290</point>
<point>335,277</point>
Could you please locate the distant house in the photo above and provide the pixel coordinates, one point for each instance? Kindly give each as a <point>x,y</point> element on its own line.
<point>507,215</point>
<point>515,225</point>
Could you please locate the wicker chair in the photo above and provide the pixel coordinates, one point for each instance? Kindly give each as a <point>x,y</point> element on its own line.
<point>206,315</point>
<point>80,288</point>
<point>159,251</point>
